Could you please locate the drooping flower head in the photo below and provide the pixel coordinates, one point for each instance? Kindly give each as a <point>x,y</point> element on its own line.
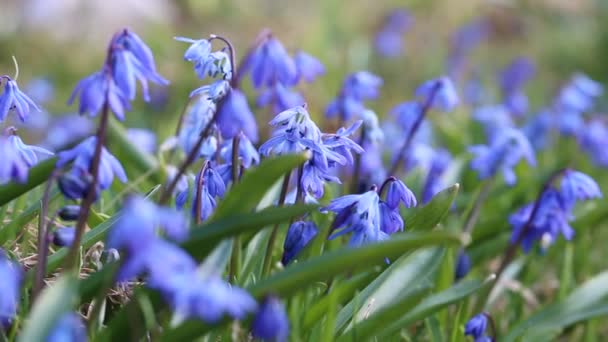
<point>75,183</point>
<point>463,265</point>
<point>502,154</point>
<point>14,99</point>
<point>295,132</point>
<point>512,79</point>
<point>208,186</point>
<point>10,288</point>
<point>281,97</point>
<point>549,217</point>
<point>235,116</point>
<point>271,322</point>
<point>197,116</point>
<point>269,63</point>
<point>356,88</point>
<point>440,93</point>
<point>247,153</point>
<point>207,63</point>
<point>308,67</point>
<point>476,326</point>
<point>129,60</point>
<point>300,233</point>
<point>594,141</point>
<point>537,129</point>
<point>579,94</point>
<point>17,157</point>
<point>494,119</point>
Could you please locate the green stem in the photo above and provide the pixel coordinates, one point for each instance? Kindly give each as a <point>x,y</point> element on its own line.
<point>43,239</point>
<point>273,235</point>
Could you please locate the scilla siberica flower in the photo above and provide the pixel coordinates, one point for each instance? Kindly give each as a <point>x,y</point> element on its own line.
<point>14,99</point>
<point>300,233</point>
<point>248,156</point>
<point>463,265</point>
<point>357,87</point>
<point>235,116</point>
<point>579,94</point>
<point>271,322</point>
<point>502,154</point>
<point>17,157</point>
<point>493,118</point>
<point>554,210</point>
<point>280,97</point>
<point>12,277</point>
<point>594,141</point>
<point>69,327</point>
<point>462,42</point>
<point>129,60</point>
<point>512,79</point>
<point>389,39</point>
<point>206,63</point>
<point>269,63</point>
<point>196,117</point>
<point>440,93</point>
<point>476,327</point>
<point>211,186</point>
<point>75,183</point>
<point>308,67</point>
<point>538,127</point>
<point>433,184</point>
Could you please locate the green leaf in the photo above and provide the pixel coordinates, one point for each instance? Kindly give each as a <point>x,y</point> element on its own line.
<point>246,195</point>
<point>347,259</point>
<point>431,305</point>
<point>9,231</point>
<point>36,176</point>
<point>587,301</point>
<point>204,238</point>
<point>430,215</point>
<point>54,301</point>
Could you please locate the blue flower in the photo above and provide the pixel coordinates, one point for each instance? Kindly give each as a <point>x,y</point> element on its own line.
<point>248,154</point>
<point>315,173</point>
<point>66,130</point>
<point>96,90</point>
<point>131,42</point>
<point>10,288</point>
<point>551,219</point>
<point>344,106</point>
<point>143,219</point>
<point>207,63</point>
<point>476,326</point>
<point>127,69</point>
<point>308,67</point>
<point>211,186</point>
<point>76,184</point>
<point>271,322</point>
<point>594,141</point>
<point>440,93</point>
<point>537,129</point>
<point>503,154</point>
<point>64,236</point>
<point>406,114</point>
<point>577,186</point>
<point>196,117</point>
<point>390,219</point>
<point>300,233</point>
<point>493,118</point>
<point>214,91</point>
<point>516,74</point>
<point>397,193</point>
<point>69,327</point>
<point>463,265</point>
<point>295,133</point>
<point>570,123</point>
<point>145,139</point>
<point>17,157</point>
<point>281,97</point>
<point>69,212</point>
<point>342,144</point>
<point>357,87</point>
<point>235,116</point>
<point>270,63</point>
<point>388,41</point>
<point>433,183</point>
<point>579,94</point>
<point>41,90</point>
<point>13,98</point>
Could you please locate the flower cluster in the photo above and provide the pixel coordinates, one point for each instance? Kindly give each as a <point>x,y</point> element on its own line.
<point>550,215</point>
<point>168,268</point>
<point>14,99</point>
<point>300,233</point>
<point>369,218</point>
<point>129,60</point>
<point>75,183</point>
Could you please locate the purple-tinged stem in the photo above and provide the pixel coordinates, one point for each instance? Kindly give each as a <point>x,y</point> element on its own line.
<point>235,257</point>
<point>385,183</point>
<point>43,239</point>
<point>85,206</point>
<point>410,136</point>
<point>273,235</point>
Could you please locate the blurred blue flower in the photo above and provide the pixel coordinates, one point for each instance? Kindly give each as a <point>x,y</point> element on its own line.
<point>77,183</point>
<point>494,119</point>
<point>67,129</point>
<point>64,236</point>
<point>502,154</point>
<point>474,93</point>
<point>462,41</point>
<point>14,99</point>
<point>463,265</point>
<point>512,79</point>
<point>10,288</point>
<point>211,186</point>
<point>440,93</point>
<point>141,221</point>
<point>235,116</point>
<point>96,90</point>
<point>577,186</point>
<point>476,326</point>
<point>248,154</point>
<point>538,128</point>
<point>143,138</point>
<point>342,144</point>
<point>300,233</point>
<point>17,157</point>
<point>270,63</point>
<point>41,90</point>
<point>295,132</point>
<point>570,123</point>
<point>357,87</point>
<point>345,107</point>
<point>433,184</point>
<point>207,63</point>
<point>594,141</point>
<point>68,328</point>
<point>389,39</point>
<point>406,114</point>
<point>579,94</point>
<point>280,97</point>
<point>309,68</point>
<point>271,322</point>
